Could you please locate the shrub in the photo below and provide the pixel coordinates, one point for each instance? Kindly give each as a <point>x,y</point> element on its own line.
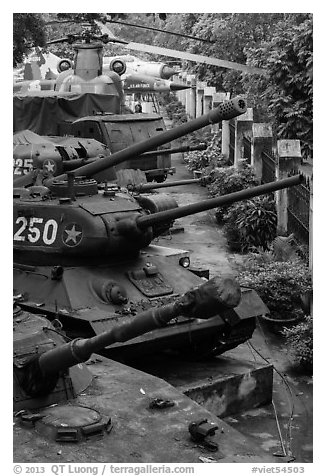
<point>174,109</point>
<point>280,284</point>
<point>231,179</point>
<point>205,135</point>
<point>300,340</point>
<point>206,159</point>
<point>224,180</point>
<point>251,224</point>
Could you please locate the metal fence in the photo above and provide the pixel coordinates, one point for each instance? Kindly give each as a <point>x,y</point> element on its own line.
<point>298,214</point>
<point>268,168</point>
<point>298,197</point>
<point>246,149</point>
<point>232,142</point>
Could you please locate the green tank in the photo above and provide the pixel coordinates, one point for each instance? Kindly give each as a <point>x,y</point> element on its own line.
<point>72,405</point>
<point>83,255</point>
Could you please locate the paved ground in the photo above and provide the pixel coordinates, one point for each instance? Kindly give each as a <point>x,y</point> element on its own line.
<point>292,392</point>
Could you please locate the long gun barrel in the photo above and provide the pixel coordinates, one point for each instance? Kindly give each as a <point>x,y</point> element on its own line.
<point>224,111</point>
<point>169,215</point>
<point>211,298</point>
<point>145,187</point>
<point>175,150</point>
<point>73,164</point>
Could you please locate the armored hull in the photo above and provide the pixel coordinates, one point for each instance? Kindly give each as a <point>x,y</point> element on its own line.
<point>81,302</point>
<point>104,411</point>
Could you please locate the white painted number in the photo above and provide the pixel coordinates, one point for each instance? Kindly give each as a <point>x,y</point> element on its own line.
<point>33,226</point>
<point>22,166</point>
<point>50,227</point>
<point>18,235</point>
<point>34,233</point>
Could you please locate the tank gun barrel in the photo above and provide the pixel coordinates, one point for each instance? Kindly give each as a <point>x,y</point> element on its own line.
<point>168,215</point>
<point>210,298</point>
<point>224,111</point>
<point>145,187</point>
<point>74,163</point>
<point>175,150</point>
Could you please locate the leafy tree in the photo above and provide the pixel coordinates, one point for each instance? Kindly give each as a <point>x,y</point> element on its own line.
<point>28,30</point>
<point>229,35</point>
<point>287,91</point>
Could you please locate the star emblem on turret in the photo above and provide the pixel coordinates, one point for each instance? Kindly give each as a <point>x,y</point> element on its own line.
<point>49,166</point>
<point>72,234</point>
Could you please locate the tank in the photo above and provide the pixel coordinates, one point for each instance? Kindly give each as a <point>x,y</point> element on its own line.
<point>38,372</point>
<point>71,404</point>
<point>83,254</point>
<point>85,101</point>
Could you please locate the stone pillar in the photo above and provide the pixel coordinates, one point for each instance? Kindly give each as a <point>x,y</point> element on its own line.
<point>201,85</point>
<point>226,139</point>
<point>243,125</point>
<point>289,158</point>
<point>217,99</point>
<point>193,99</point>
<point>177,79</point>
<point>208,99</point>
<point>226,133</point>
<point>191,96</point>
<point>262,139</point>
<point>184,91</point>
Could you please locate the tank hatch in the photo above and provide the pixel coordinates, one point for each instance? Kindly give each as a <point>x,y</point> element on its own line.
<point>149,281</point>
<point>68,423</point>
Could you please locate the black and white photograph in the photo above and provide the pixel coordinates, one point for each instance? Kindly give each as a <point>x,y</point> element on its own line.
<point>162,241</point>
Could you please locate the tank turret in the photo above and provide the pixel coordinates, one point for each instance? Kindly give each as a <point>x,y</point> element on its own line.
<point>224,111</point>
<point>39,371</point>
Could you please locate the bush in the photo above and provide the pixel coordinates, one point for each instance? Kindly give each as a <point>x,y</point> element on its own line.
<point>251,224</point>
<point>174,109</point>
<point>231,179</point>
<point>300,340</point>
<point>205,160</point>
<point>280,284</point>
<point>224,180</point>
<point>205,135</point>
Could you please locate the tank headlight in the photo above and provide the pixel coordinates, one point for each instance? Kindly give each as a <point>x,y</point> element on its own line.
<point>184,262</point>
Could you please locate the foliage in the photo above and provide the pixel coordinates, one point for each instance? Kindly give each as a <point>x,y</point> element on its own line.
<point>174,109</point>
<point>232,179</point>
<point>137,35</point>
<point>280,43</point>
<point>28,30</point>
<point>282,248</point>
<point>207,159</point>
<point>251,224</point>
<point>287,90</point>
<point>207,136</point>
<point>229,34</point>
<point>280,284</point>
<point>224,180</point>
<point>300,341</point>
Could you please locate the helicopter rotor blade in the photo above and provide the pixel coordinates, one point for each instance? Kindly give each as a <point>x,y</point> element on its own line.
<point>58,40</point>
<point>196,58</point>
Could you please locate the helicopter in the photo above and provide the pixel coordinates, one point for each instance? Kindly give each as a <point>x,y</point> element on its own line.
<point>41,72</point>
<point>131,65</point>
